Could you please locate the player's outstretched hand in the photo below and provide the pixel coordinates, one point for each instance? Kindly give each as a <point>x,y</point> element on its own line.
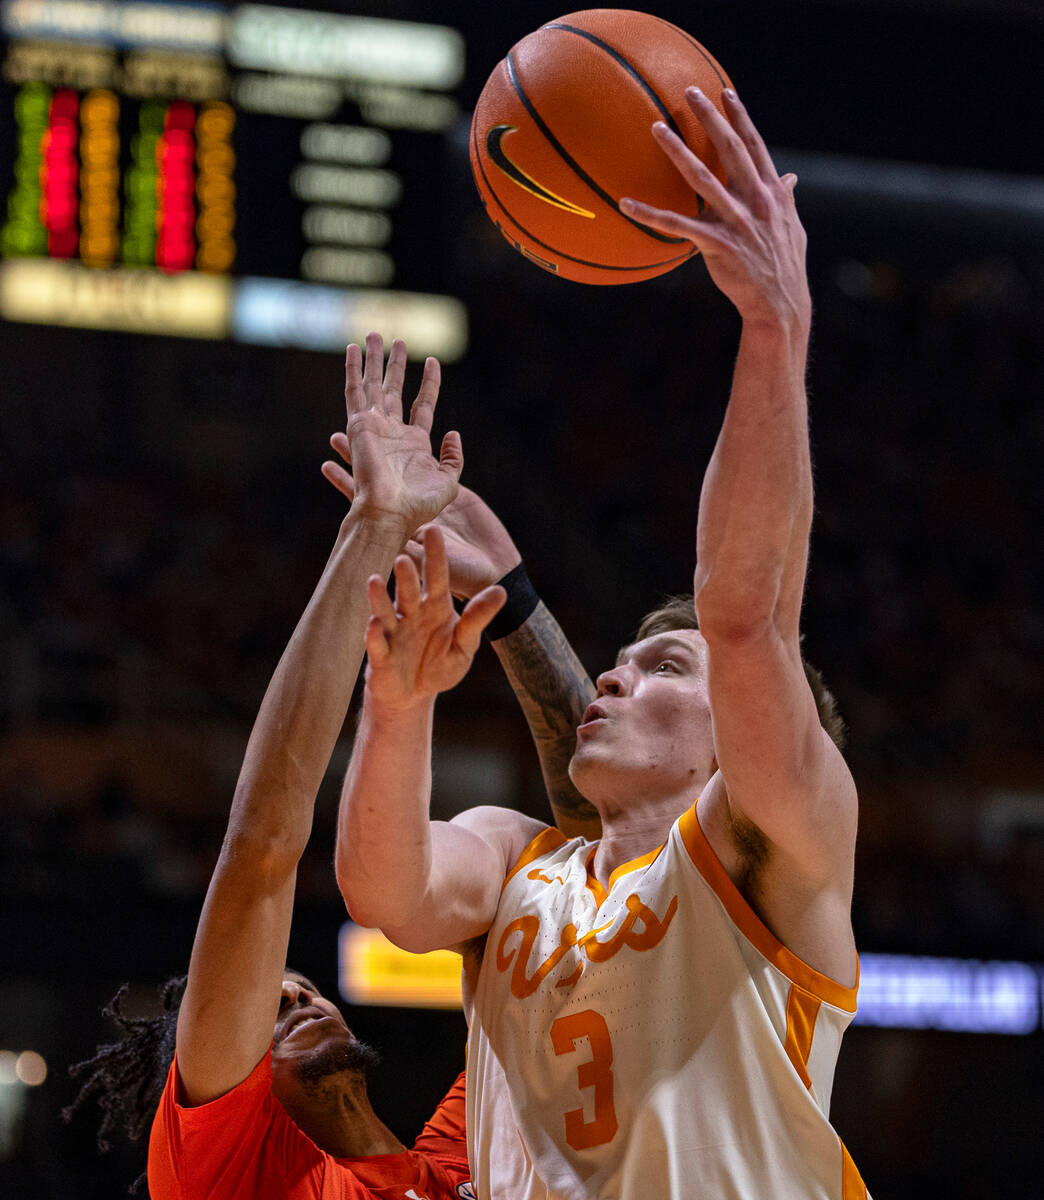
<point>478,547</point>
<point>750,235</point>
<point>419,645</point>
<point>394,473</point>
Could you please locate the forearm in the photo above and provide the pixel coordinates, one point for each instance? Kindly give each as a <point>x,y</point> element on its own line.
<point>383,856</point>
<point>304,707</point>
<point>553,690</point>
<point>756,502</point>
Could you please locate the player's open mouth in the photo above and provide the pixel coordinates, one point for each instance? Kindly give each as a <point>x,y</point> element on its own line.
<point>592,714</point>
<point>302,1018</point>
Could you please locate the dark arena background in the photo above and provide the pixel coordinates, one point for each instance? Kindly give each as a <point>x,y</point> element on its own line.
<point>166,402</point>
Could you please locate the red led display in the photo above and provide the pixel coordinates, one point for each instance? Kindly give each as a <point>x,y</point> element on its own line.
<point>59,202</point>
<point>176,189</point>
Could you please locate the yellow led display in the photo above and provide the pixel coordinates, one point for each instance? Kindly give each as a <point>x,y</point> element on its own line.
<point>373,971</point>
<point>50,291</point>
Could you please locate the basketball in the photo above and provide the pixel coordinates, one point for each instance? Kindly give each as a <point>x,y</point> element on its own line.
<point>562,131</point>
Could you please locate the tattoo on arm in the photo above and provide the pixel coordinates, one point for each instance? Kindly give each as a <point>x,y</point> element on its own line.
<point>553,689</point>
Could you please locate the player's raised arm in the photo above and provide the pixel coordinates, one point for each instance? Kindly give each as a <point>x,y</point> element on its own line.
<point>238,958</point>
<point>425,883</point>
<point>549,681</point>
<point>780,768</point>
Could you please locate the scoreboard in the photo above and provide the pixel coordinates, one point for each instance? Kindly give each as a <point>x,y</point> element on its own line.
<point>267,174</point>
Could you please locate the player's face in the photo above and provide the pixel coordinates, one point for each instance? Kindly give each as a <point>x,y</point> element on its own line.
<point>650,720</point>
<point>308,1029</point>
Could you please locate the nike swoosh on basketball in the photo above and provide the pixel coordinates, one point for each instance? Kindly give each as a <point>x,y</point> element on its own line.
<point>515,173</point>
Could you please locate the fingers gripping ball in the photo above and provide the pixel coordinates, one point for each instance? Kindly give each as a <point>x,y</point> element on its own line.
<point>562,130</point>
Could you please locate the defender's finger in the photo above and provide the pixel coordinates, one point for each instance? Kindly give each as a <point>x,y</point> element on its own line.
<point>381,607</point>
<point>373,370</point>
<point>339,441</point>
<point>436,565</point>
<point>423,410</point>
<point>451,454</point>
<point>477,614</point>
<point>336,474</point>
<point>394,377</point>
<point>407,586</point>
<point>354,396</point>
<point>377,646</point>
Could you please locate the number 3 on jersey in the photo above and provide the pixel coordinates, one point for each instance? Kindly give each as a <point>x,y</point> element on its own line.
<point>596,1072</point>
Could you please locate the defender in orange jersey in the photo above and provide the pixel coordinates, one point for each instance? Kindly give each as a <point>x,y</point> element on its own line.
<point>252,1081</point>
<point>657,1012</point>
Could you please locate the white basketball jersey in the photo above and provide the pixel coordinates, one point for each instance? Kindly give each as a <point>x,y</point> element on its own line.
<point>650,1042</point>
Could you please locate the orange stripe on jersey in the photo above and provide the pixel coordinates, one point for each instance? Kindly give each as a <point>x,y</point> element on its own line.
<point>544,842</point>
<point>593,886</point>
<point>752,927</point>
<point>635,864</point>
<point>852,1185</point>
<point>802,1010</point>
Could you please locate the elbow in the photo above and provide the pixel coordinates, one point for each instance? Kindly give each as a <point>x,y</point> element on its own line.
<point>737,612</point>
<point>371,902</point>
<point>272,856</point>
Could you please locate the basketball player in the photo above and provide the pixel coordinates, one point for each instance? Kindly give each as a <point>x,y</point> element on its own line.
<point>266,1093</point>
<point>657,1013</point>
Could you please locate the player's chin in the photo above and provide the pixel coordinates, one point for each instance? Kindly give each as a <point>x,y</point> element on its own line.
<point>334,1056</point>
<point>587,756</point>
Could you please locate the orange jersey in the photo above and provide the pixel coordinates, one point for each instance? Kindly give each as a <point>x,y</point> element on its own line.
<point>654,1039</point>
<point>244,1146</point>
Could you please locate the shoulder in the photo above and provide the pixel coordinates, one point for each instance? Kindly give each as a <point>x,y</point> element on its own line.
<point>508,832</point>
<point>804,900</point>
<point>241,1136</point>
<point>250,1094</point>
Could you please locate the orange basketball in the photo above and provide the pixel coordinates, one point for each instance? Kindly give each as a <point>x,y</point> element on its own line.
<point>562,131</point>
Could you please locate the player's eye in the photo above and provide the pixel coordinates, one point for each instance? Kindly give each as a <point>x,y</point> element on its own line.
<point>665,666</point>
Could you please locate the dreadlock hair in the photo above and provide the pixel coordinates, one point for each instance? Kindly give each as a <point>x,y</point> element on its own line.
<point>127,1077</point>
<point>679,612</point>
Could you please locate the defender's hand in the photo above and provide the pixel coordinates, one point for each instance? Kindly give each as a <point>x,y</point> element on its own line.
<point>419,646</point>
<point>395,474</point>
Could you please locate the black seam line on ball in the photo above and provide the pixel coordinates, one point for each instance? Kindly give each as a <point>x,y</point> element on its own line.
<point>639,78</point>
<point>583,262</point>
<point>574,165</point>
<point>631,70</point>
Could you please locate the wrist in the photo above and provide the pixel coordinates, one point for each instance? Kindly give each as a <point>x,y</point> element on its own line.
<point>519,606</point>
<point>380,525</point>
<point>778,343</point>
<point>787,323</point>
<point>383,712</point>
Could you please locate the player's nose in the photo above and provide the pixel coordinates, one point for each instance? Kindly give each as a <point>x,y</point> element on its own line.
<point>294,993</point>
<point>613,682</point>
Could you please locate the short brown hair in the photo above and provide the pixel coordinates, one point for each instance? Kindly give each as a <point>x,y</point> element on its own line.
<point>679,612</point>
